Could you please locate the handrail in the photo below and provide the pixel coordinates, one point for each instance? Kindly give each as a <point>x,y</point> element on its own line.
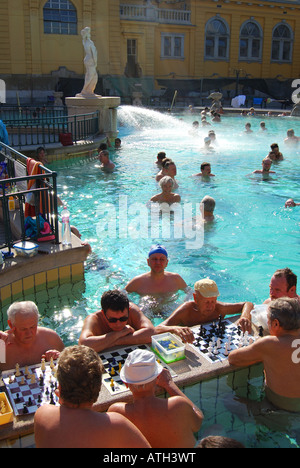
<point>45,195</point>
<point>37,132</point>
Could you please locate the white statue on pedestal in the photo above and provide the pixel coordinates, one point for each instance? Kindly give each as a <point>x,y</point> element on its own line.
<point>90,63</point>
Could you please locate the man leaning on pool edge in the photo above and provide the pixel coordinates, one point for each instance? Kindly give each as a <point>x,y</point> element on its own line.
<point>118,323</point>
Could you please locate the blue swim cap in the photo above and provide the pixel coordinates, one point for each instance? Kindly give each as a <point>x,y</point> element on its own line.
<point>158,249</point>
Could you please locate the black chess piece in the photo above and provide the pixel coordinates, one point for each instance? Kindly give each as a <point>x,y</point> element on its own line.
<point>25,409</point>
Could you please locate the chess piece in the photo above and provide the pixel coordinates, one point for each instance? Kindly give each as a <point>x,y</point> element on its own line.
<point>18,373</point>
<point>43,364</point>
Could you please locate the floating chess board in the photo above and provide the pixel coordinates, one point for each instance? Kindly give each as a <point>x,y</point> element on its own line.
<point>113,361</point>
<point>27,396</point>
<point>215,340</point>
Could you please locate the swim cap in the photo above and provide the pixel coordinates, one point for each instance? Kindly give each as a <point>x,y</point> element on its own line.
<point>158,249</point>
<point>207,288</point>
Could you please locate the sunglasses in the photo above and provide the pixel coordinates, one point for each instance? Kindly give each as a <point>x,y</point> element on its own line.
<point>115,320</point>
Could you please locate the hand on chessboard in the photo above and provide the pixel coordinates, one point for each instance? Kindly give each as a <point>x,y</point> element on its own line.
<point>51,353</point>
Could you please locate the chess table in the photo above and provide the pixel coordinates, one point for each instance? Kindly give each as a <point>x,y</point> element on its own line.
<point>194,368</point>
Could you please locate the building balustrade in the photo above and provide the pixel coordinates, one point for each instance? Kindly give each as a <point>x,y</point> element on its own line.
<point>153,14</point>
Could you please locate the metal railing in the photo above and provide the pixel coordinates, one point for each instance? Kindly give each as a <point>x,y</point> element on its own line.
<point>44,195</point>
<point>49,130</point>
<point>153,14</point>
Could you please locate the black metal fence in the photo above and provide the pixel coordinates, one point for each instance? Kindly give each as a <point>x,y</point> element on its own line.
<point>43,198</point>
<point>49,126</point>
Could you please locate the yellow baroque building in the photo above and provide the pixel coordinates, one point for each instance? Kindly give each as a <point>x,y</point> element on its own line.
<point>148,45</point>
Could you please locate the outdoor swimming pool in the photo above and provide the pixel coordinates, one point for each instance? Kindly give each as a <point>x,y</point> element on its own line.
<point>252,236</point>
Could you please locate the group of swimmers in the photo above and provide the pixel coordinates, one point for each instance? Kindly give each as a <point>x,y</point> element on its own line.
<point>149,421</point>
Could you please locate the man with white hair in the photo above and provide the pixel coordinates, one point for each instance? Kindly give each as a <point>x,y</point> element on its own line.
<point>165,422</point>
<point>25,342</point>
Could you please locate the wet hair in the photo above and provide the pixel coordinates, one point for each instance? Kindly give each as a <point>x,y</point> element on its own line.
<point>114,300</point>
<point>165,180</point>
<point>274,145</point>
<point>209,203</point>
<point>166,163</point>
<point>79,373</point>
<point>287,311</point>
<point>161,155</point>
<point>287,273</point>
<point>203,165</point>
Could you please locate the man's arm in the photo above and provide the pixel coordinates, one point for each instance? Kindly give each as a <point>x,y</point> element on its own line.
<point>179,316</point>
<point>248,355</point>
<point>165,381</point>
<point>93,337</point>
<point>141,325</point>
<point>240,307</point>
<point>184,333</point>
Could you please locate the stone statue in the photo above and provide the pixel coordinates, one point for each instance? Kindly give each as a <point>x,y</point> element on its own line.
<point>90,63</point>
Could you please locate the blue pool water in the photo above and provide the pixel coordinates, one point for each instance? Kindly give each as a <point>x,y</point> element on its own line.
<point>252,236</point>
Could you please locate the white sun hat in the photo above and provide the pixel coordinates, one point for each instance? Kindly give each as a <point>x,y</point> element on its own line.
<point>140,367</point>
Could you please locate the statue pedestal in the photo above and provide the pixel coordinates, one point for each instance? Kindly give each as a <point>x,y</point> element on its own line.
<point>107,107</point>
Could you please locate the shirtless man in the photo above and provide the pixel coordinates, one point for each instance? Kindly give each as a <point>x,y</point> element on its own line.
<point>74,424</point>
<point>106,164</point>
<point>207,207</point>
<point>157,281</point>
<point>279,354</point>
<point>283,284</point>
<point>165,422</point>
<point>118,323</point>
<point>204,308</point>
<point>205,171</point>
<point>266,166</point>
<point>168,169</point>
<point>26,342</point>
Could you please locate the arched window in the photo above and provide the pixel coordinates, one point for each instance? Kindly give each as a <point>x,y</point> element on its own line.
<point>60,17</point>
<point>216,39</point>
<point>250,41</point>
<point>282,43</point>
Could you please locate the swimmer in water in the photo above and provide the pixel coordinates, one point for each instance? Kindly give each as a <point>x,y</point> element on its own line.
<point>205,170</point>
<point>157,281</point>
<point>106,164</point>
<point>166,196</point>
<point>266,166</point>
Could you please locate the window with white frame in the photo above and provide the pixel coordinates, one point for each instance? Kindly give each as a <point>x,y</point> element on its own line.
<point>216,39</point>
<point>172,46</point>
<point>250,41</point>
<point>282,43</point>
<point>60,17</point>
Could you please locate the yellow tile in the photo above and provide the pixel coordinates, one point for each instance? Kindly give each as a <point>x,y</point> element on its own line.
<point>64,274</point>
<point>40,281</point>
<point>52,277</point>
<point>17,289</point>
<point>6,293</point>
<point>77,271</point>
<point>28,284</point>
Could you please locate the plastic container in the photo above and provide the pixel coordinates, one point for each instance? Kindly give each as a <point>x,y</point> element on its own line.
<point>11,204</point>
<point>168,347</point>
<point>8,415</point>
<point>66,228</point>
<point>26,249</point>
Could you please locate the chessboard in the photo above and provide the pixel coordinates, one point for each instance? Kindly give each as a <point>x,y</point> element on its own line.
<point>113,362</point>
<point>30,387</point>
<point>215,340</point>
